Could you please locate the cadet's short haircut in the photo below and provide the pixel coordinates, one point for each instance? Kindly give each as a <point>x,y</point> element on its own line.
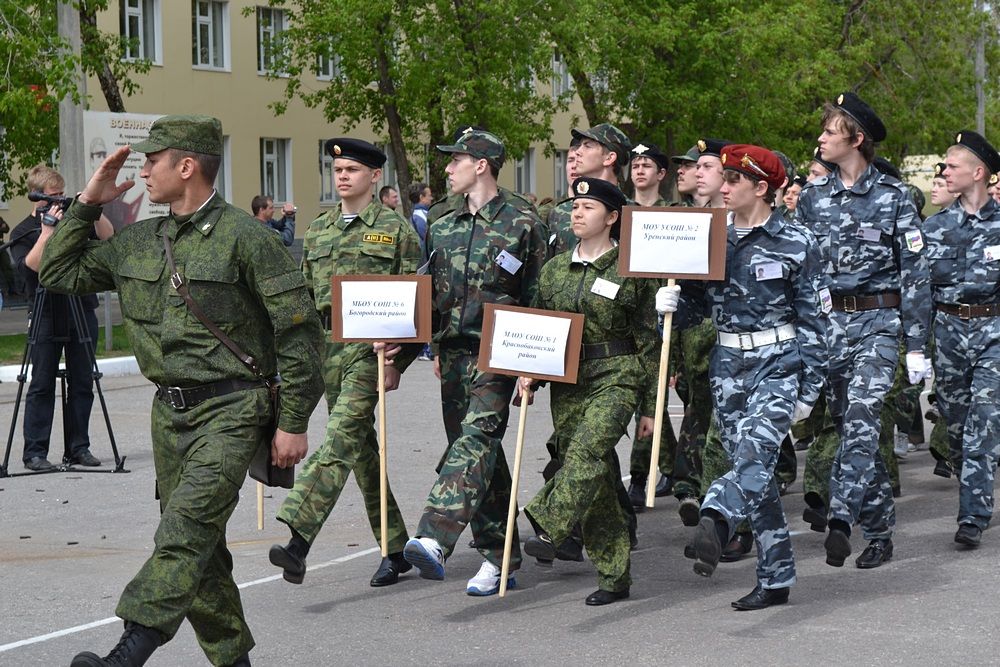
<point>771,193</point>
<point>416,191</point>
<point>259,203</point>
<point>845,122</point>
<point>41,177</point>
<point>209,164</point>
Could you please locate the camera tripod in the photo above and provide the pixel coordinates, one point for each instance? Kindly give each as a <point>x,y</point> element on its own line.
<point>81,337</point>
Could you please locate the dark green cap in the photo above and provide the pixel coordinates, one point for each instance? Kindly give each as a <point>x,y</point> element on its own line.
<point>611,138</point>
<point>691,156</point>
<point>197,134</point>
<point>479,144</point>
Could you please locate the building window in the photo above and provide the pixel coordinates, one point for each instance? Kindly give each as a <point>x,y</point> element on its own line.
<point>139,22</point>
<point>327,182</point>
<point>328,65</point>
<point>270,25</point>
<point>560,186</point>
<point>275,160</point>
<point>210,28</point>
<point>225,175</point>
<point>562,82</point>
<point>524,172</point>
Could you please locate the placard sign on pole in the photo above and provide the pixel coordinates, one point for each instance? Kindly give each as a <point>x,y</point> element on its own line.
<point>671,242</point>
<point>366,309</point>
<point>535,343</point>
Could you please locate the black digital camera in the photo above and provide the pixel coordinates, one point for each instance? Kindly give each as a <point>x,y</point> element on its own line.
<point>54,200</point>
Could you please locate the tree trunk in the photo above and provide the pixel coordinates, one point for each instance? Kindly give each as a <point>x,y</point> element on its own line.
<point>109,83</point>
<point>387,89</point>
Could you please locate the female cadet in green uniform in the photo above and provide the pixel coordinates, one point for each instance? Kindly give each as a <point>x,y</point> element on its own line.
<point>591,416</point>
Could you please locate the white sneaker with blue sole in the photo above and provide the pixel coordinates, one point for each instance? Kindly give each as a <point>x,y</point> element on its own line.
<point>425,554</point>
<point>487,581</point>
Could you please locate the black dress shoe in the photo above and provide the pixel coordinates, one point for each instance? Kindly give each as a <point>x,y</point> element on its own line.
<point>838,547</point>
<point>689,551</point>
<point>600,597</point>
<point>664,486</point>
<point>288,559</point>
<point>816,518</point>
<point>84,458</point>
<point>944,468</point>
<point>134,648</point>
<point>389,570</point>
<point>738,547</point>
<point>761,598</point>
<point>707,548</point>
<point>637,497</point>
<point>782,488</point>
<point>540,548</point>
<point>689,510</point>
<point>38,464</point>
<point>877,552</point>
<point>968,534</point>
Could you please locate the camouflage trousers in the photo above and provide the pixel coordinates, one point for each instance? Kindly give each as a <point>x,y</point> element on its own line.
<point>201,457</point>
<point>473,484</point>
<point>755,393</point>
<point>820,455</point>
<point>350,373</point>
<point>864,351</point>
<point>967,372</point>
<point>695,345</point>
<point>642,450</point>
<point>590,419</point>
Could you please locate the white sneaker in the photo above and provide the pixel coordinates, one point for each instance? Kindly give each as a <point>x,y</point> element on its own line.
<point>487,581</point>
<point>900,445</point>
<point>426,555</point>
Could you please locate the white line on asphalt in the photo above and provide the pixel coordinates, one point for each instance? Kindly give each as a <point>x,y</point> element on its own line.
<point>113,619</point>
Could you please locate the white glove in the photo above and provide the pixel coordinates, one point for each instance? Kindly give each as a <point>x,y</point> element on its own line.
<point>928,368</point>
<point>916,366</point>
<point>802,411</point>
<point>667,298</point>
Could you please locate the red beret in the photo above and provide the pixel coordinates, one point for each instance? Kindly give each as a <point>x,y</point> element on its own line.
<point>758,163</point>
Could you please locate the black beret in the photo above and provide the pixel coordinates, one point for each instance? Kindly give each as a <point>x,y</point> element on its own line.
<point>887,168</point>
<point>652,151</point>
<point>818,157</point>
<point>977,144</point>
<point>711,146</point>
<point>599,189</point>
<point>856,108</point>
<point>357,150</point>
<point>939,169</point>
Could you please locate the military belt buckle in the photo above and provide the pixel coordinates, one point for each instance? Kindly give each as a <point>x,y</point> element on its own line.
<point>850,304</point>
<point>746,341</point>
<point>965,311</point>
<point>175,398</point>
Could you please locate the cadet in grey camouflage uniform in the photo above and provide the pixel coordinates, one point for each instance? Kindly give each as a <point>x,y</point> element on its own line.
<point>963,253</point>
<point>866,225</point>
<point>766,369</point>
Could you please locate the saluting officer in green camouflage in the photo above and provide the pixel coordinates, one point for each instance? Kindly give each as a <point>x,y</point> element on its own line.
<point>591,416</point>
<point>211,413</point>
<point>487,251</point>
<point>358,236</point>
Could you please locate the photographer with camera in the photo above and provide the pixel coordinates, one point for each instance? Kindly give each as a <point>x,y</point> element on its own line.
<point>54,332</point>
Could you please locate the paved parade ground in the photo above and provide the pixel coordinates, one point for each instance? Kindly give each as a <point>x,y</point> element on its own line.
<point>71,541</point>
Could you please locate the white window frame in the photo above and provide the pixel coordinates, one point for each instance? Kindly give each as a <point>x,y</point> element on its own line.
<point>276,168</point>
<point>147,14</point>
<point>328,195</point>
<point>560,188</point>
<point>524,172</point>
<point>562,82</point>
<point>388,170</point>
<point>269,37</point>
<point>214,33</point>
<point>328,66</point>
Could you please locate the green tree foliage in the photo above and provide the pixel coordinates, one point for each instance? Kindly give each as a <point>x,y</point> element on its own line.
<point>39,70</point>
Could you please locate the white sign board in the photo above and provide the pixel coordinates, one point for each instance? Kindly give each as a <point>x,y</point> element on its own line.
<point>379,310</point>
<point>667,239</point>
<point>529,344</point>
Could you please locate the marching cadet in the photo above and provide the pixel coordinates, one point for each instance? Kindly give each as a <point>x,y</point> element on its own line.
<point>818,167</point>
<point>647,171</point>
<point>766,369</point>
<point>963,254</point>
<point>601,152</point>
<point>687,184</point>
<point>866,225</point>
<point>591,416</point>
<point>940,196</point>
<point>359,236</point>
<point>486,251</point>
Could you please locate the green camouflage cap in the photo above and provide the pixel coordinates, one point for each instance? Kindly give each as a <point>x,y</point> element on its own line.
<point>197,134</point>
<point>786,162</point>
<point>691,156</point>
<point>611,138</point>
<point>479,144</point>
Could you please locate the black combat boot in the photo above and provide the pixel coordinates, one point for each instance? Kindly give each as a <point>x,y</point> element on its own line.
<point>291,558</point>
<point>133,650</point>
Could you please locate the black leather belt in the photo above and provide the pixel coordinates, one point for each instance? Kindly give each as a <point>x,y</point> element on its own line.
<point>851,303</point>
<point>461,344</point>
<point>611,348</point>
<point>182,398</point>
<point>970,310</point>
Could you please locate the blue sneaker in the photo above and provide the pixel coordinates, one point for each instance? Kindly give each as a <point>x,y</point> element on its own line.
<point>426,555</point>
<point>487,581</point>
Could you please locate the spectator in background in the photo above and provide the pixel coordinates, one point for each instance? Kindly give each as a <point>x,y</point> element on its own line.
<point>389,197</point>
<point>421,197</point>
<point>262,208</point>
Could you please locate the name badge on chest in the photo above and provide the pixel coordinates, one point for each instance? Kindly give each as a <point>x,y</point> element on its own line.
<point>991,253</point>
<point>508,262</point>
<point>869,234</point>
<point>768,271</point>
<point>605,288</point>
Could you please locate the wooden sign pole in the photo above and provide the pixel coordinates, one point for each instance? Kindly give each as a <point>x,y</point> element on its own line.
<point>661,401</point>
<point>260,506</point>
<point>512,506</point>
<point>383,472</point>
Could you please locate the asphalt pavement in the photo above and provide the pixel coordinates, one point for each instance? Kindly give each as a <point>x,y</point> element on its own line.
<point>70,542</point>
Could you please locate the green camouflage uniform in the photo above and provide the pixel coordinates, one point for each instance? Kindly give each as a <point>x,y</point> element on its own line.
<point>473,484</point>
<point>245,281</point>
<point>453,202</point>
<point>592,415</point>
<point>376,242</point>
